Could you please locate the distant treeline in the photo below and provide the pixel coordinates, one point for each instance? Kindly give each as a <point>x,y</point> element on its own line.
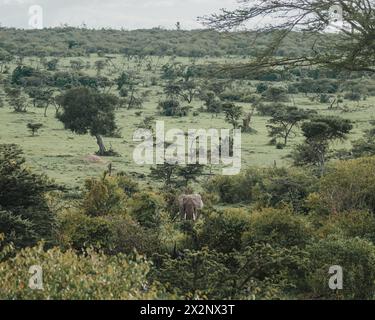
<point>71,42</point>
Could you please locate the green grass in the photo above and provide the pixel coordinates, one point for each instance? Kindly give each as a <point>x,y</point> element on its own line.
<point>62,155</point>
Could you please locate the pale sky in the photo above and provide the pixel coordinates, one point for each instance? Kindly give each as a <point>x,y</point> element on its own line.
<point>127,14</point>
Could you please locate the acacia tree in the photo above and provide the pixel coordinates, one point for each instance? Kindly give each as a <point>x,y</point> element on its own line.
<point>232,114</point>
<point>319,132</point>
<point>351,48</point>
<point>284,121</point>
<point>99,66</point>
<point>87,111</point>
<point>16,98</point>
<point>127,85</point>
<point>190,172</point>
<point>212,102</point>
<point>41,97</point>
<point>167,173</point>
<point>185,90</point>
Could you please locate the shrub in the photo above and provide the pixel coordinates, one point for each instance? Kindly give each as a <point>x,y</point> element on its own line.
<point>69,276</point>
<point>280,186</point>
<point>351,224</point>
<point>21,72</point>
<point>349,186</point>
<point>261,87</point>
<point>127,184</point>
<point>80,231</point>
<point>25,215</point>
<point>127,235</point>
<point>353,96</point>
<point>278,227</point>
<point>269,109</point>
<point>222,231</point>
<point>230,95</point>
<point>145,208</point>
<point>103,197</point>
<point>198,274</point>
<point>112,234</point>
<point>172,108</point>
<point>235,189</point>
<point>276,94</point>
<point>19,231</point>
<point>364,147</point>
<point>257,273</point>
<point>355,256</point>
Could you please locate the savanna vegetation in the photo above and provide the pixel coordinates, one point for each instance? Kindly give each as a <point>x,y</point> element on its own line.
<point>73,201</point>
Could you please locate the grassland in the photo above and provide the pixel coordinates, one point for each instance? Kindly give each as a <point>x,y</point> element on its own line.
<point>64,156</point>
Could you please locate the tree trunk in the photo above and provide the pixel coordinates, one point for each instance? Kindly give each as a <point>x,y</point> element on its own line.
<point>45,110</point>
<point>102,149</point>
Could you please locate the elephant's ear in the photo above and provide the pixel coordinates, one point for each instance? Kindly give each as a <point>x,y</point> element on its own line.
<point>198,201</point>
<point>181,200</point>
<point>201,205</point>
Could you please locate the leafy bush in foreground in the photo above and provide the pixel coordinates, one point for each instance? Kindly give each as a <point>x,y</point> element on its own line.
<point>355,256</point>
<point>67,275</point>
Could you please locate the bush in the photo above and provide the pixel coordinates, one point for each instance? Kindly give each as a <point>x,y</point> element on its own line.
<point>198,274</point>
<point>145,208</point>
<point>353,96</point>
<point>235,189</point>
<point>266,187</point>
<point>25,215</point>
<point>80,231</point>
<point>278,227</point>
<point>112,234</point>
<point>19,231</point>
<point>222,231</point>
<point>355,256</point>
<point>280,186</point>
<point>324,98</point>
<point>103,196</point>
<point>69,276</point>
<point>269,109</point>
<point>21,72</point>
<point>128,185</point>
<point>261,87</point>
<point>260,272</point>
<point>128,235</point>
<point>276,94</point>
<point>364,148</point>
<point>230,95</point>
<point>351,225</point>
<point>350,185</point>
<point>172,108</point>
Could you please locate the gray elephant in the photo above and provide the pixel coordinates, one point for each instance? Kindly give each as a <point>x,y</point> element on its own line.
<point>190,206</point>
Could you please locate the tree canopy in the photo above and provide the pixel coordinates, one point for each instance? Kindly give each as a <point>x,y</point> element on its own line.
<point>351,47</point>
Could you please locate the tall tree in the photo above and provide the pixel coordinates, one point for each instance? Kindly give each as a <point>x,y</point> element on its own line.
<point>87,111</point>
<point>284,121</point>
<point>232,114</point>
<point>319,132</point>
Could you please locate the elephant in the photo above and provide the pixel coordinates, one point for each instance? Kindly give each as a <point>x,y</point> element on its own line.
<point>190,206</point>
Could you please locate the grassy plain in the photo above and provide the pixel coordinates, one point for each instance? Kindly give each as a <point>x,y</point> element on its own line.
<point>64,156</point>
